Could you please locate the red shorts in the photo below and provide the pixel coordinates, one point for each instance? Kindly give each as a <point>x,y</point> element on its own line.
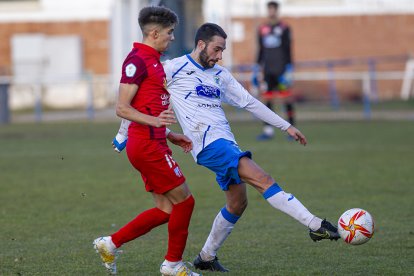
<point>152,158</point>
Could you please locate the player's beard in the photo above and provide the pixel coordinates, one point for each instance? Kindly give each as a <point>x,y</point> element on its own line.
<point>203,57</point>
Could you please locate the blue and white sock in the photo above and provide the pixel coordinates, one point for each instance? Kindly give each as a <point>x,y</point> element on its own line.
<point>121,137</point>
<point>123,128</point>
<point>222,226</point>
<point>291,206</point>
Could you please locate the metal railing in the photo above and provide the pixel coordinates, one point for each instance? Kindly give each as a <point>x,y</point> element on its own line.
<point>369,78</point>
<point>92,85</point>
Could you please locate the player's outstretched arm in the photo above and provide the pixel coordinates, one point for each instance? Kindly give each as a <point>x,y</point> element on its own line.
<point>180,140</point>
<point>297,135</point>
<point>265,114</point>
<point>262,112</point>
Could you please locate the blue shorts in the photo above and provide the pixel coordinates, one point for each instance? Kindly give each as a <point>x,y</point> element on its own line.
<point>222,157</point>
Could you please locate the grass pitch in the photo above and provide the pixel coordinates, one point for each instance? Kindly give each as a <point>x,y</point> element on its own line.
<point>61,186</point>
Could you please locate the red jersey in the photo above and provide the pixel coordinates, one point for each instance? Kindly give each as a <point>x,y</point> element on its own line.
<point>143,67</point>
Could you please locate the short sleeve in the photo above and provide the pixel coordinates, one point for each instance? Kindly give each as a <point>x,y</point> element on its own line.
<point>134,70</point>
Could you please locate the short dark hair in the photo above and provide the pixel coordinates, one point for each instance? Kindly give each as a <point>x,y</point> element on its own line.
<point>161,16</point>
<point>273,4</point>
<point>207,31</point>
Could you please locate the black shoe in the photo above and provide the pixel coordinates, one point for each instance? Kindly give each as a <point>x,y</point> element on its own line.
<point>326,231</point>
<point>212,265</point>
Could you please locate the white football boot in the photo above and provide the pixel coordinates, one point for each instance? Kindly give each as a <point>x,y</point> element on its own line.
<point>178,270</point>
<point>108,252</point>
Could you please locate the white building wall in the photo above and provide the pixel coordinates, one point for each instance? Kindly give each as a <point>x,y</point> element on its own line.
<point>55,10</point>
<point>221,12</point>
<point>214,9</point>
<point>124,31</point>
<point>122,15</point>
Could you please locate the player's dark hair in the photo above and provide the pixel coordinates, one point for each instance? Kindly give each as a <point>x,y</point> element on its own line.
<point>273,4</point>
<point>161,16</point>
<point>207,31</point>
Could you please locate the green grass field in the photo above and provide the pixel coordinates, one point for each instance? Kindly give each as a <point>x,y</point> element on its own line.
<point>61,186</point>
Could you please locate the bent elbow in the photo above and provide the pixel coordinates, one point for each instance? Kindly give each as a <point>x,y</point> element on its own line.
<point>120,110</point>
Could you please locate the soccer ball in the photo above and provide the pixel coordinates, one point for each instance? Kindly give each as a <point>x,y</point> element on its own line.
<point>356,226</point>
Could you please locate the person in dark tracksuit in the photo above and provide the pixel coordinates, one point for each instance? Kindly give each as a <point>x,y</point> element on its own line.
<point>275,58</point>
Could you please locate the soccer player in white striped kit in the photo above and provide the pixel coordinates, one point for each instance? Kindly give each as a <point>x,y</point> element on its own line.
<point>198,86</point>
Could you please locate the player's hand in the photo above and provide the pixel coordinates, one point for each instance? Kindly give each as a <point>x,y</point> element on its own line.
<point>166,118</point>
<point>180,140</point>
<point>297,135</point>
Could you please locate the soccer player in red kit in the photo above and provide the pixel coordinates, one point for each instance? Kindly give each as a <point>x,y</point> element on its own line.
<point>144,100</point>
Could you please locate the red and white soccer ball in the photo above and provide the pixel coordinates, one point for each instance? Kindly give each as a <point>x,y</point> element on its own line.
<point>356,226</point>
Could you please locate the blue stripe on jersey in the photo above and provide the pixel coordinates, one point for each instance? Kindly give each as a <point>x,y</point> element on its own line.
<point>229,216</point>
<point>195,63</point>
<point>179,69</point>
<point>272,190</point>
<point>188,95</point>
<point>205,134</point>
<point>199,80</point>
<point>219,72</point>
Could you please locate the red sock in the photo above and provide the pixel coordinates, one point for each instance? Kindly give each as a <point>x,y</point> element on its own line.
<point>140,225</point>
<point>178,229</point>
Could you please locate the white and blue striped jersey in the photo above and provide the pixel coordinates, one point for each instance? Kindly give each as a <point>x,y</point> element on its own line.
<point>197,95</point>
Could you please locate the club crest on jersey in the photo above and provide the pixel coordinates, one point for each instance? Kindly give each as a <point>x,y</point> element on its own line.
<point>217,80</point>
<point>208,91</point>
<point>130,70</point>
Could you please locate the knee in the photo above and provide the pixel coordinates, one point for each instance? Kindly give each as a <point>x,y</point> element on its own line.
<point>264,181</point>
